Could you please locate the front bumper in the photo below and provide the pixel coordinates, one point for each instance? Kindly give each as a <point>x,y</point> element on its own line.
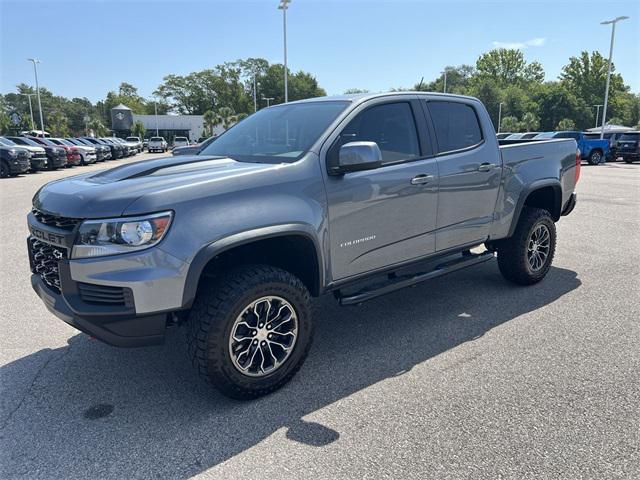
<point>123,300</point>
<point>119,330</point>
<point>18,165</point>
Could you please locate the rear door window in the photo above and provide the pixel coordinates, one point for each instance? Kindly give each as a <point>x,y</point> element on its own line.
<point>455,124</point>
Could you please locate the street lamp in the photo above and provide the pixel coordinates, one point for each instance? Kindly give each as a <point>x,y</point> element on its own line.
<point>597,113</point>
<point>35,71</point>
<point>268,99</point>
<point>606,92</point>
<point>500,115</point>
<point>444,89</point>
<point>284,5</point>
<point>29,95</point>
<point>155,106</point>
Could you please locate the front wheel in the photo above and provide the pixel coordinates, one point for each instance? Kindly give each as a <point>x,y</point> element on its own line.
<point>4,169</point>
<point>250,330</point>
<point>526,257</point>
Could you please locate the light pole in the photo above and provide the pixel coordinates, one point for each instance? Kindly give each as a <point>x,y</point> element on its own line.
<point>444,90</point>
<point>284,5</point>
<point>155,106</point>
<point>35,71</point>
<point>255,94</point>
<point>268,99</point>
<point>29,95</point>
<point>597,113</point>
<point>606,91</point>
<point>499,115</point>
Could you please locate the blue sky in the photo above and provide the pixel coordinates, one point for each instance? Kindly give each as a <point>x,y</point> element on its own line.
<point>89,47</point>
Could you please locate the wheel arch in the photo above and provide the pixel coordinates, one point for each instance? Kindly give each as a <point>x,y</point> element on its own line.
<point>293,247</point>
<point>546,194</point>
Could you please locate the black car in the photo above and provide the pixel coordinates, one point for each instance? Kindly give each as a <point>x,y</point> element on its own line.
<point>103,152</point>
<point>38,160</point>
<point>56,156</point>
<point>116,150</point>
<point>13,161</point>
<point>629,147</point>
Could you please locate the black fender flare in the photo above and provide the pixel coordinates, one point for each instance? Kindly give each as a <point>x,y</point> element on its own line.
<point>211,250</point>
<point>528,190</point>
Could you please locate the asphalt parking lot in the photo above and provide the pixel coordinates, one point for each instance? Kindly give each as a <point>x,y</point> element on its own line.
<point>462,377</point>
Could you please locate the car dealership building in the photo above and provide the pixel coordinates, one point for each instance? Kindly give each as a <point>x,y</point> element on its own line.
<point>167,126</point>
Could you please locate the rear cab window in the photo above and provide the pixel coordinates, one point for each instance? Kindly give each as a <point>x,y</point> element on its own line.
<point>455,124</point>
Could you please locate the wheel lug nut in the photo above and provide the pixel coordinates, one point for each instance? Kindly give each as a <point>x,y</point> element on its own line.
<point>268,327</point>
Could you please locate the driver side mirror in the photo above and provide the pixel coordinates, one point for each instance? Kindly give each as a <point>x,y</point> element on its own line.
<point>358,156</point>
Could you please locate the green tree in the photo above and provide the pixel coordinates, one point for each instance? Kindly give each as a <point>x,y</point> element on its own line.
<point>228,117</point>
<point>138,129</point>
<point>97,127</point>
<point>566,124</point>
<point>508,66</point>
<point>530,122</point>
<point>352,91</point>
<point>211,120</point>
<point>556,103</point>
<point>487,91</point>
<point>510,124</point>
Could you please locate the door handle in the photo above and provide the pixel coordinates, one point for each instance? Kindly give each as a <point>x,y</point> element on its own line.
<point>421,179</point>
<point>485,167</point>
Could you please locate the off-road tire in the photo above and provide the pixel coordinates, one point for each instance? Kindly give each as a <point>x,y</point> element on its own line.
<point>512,252</point>
<point>209,324</point>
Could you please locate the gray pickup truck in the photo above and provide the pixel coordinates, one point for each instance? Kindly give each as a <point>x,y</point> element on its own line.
<point>356,196</point>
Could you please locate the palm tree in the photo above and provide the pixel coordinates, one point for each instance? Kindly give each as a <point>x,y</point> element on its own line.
<point>530,121</point>
<point>211,120</point>
<point>98,127</point>
<point>228,117</point>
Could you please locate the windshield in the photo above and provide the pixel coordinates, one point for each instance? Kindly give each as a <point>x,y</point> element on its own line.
<point>26,141</point>
<point>156,139</point>
<point>133,139</point>
<point>279,134</point>
<point>630,137</point>
<point>7,142</point>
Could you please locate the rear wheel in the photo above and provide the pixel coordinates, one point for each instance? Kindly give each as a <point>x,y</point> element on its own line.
<point>4,169</point>
<point>595,157</point>
<point>250,330</point>
<point>526,257</point>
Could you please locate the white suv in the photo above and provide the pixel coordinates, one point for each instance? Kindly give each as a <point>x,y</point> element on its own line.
<point>157,144</point>
<point>180,142</point>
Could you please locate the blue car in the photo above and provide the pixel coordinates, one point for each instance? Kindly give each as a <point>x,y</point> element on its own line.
<point>593,151</point>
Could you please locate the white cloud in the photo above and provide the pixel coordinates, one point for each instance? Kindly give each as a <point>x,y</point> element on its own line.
<point>534,42</point>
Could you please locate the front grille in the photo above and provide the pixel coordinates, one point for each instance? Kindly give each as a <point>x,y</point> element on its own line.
<point>44,261</point>
<point>105,295</point>
<point>56,221</point>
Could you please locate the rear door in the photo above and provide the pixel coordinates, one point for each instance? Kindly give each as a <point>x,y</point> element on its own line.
<point>386,216</point>
<point>470,169</point>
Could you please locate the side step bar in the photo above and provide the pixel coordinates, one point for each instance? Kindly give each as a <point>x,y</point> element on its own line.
<point>466,260</point>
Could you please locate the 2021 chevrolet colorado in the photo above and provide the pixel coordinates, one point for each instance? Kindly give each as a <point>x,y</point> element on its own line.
<point>325,195</point>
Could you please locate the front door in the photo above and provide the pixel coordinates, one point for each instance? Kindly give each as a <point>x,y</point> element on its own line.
<point>385,216</point>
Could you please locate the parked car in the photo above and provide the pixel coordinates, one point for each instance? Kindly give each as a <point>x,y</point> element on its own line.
<point>56,156</point>
<point>194,149</point>
<point>136,141</point>
<point>157,144</point>
<point>38,160</point>
<point>613,137</point>
<point>74,157</point>
<point>88,155</point>
<point>502,136</point>
<point>132,147</point>
<point>592,150</point>
<point>353,199</point>
<point>629,147</point>
<point>180,142</point>
<point>145,144</point>
<point>13,161</point>
<point>127,150</point>
<point>117,151</point>
<point>102,151</point>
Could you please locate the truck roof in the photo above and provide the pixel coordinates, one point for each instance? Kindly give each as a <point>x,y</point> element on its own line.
<point>361,97</point>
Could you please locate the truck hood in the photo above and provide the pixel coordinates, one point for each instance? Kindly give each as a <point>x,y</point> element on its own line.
<point>108,193</point>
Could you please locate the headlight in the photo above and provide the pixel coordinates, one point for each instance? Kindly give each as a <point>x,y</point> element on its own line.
<point>13,154</point>
<point>97,238</point>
